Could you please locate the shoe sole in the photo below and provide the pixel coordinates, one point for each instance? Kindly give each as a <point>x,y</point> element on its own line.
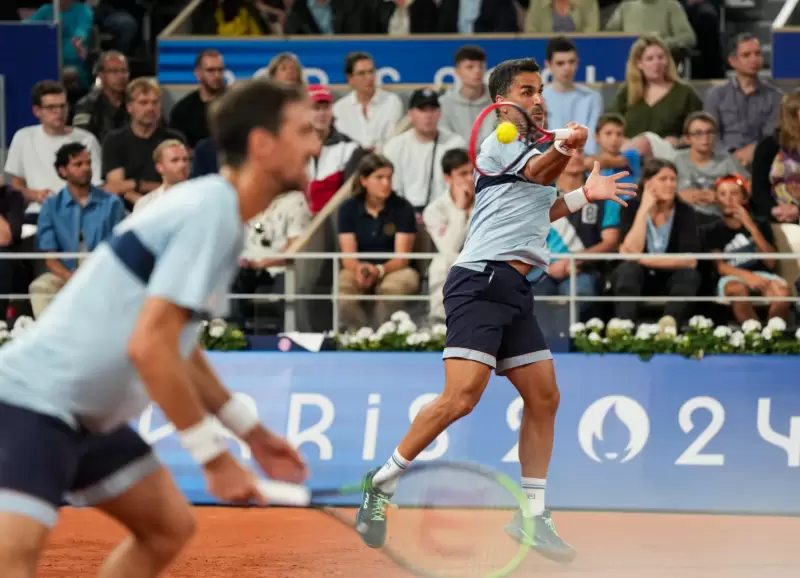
<point>561,555</point>
<point>363,527</point>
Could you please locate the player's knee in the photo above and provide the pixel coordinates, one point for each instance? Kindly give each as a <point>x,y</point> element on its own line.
<point>455,407</point>
<point>544,402</point>
<point>170,537</point>
<point>17,559</point>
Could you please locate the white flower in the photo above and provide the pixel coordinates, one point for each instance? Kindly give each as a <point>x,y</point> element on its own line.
<point>751,326</point>
<point>439,329</point>
<point>595,323</point>
<point>375,338</point>
<point>767,333</point>
<point>400,316</point>
<point>706,323</point>
<point>617,324</point>
<point>670,331</point>
<point>737,339</point>
<point>363,334</point>
<point>424,337</point>
<point>694,322</point>
<point>723,332</point>
<point>23,323</point>
<point>406,326</point>
<point>4,334</point>
<point>647,331</point>
<point>3,325</point>
<point>345,339</point>
<point>216,328</point>
<point>797,334</point>
<point>576,329</point>
<point>594,337</point>
<point>777,325</point>
<point>385,329</point>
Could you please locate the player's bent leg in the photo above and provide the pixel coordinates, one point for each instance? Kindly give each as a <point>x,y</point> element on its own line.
<point>160,522</point>
<point>22,540</point>
<point>119,474</point>
<point>465,382</point>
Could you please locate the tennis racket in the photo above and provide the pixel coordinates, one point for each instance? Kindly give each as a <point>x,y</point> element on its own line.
<point>446,519</point>
<point>526,130</point>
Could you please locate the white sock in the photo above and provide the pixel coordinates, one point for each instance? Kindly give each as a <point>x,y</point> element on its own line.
<point>386,478</point>
<point>534,489</point>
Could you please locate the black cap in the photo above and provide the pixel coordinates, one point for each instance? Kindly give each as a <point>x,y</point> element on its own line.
<point>424,98</point>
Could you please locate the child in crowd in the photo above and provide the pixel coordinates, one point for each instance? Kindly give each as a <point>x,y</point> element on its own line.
<point>609,135</point>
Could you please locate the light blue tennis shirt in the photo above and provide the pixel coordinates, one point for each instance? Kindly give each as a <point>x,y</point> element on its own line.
<point>511,217</point>
<point>73,363</point>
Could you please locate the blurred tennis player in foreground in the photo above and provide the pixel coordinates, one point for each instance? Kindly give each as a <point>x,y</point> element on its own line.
<point>489,307</point>
<point>124,332</point>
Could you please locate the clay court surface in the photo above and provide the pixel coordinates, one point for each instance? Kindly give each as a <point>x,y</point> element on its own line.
<point>287,543</point>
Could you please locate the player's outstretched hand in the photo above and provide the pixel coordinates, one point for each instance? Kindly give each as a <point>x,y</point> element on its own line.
<point>600,188</point>
<point>279,460</point>
<point>231,482</point>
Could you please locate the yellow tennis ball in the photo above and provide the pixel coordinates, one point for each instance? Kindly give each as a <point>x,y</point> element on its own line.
<point>507,132</point>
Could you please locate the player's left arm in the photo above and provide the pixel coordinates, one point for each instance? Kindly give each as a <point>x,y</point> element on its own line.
<point>597,188</point>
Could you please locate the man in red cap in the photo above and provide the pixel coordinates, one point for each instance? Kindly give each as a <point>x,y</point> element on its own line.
<point>338,158</point>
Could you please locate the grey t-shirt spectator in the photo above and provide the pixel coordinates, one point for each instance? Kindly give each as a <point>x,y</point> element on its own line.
<point>692,176</point>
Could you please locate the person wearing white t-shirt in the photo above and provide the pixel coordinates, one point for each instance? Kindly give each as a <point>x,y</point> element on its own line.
<point>172,163</point>
<point>417,153</point>
<point>369,114</point>
<point>32,154</point>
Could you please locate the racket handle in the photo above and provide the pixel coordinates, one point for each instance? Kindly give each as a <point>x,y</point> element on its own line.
<point>283,494</point>
<point>562,133</point>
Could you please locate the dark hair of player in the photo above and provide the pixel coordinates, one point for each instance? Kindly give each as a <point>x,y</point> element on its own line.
<point>502,78</point>
<point>66,153</point>
<point>247,105</point>
<point>454,159</point>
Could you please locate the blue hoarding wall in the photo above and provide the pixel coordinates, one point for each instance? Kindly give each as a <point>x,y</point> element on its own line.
<point>785,48</point>
<point>412,60</point>
<point>721,434</point>
<point>29,54</point>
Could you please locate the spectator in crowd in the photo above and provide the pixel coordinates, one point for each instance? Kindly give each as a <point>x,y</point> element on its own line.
<point>33,148</point>
<point>776,167</point>
<point>653,100</point>
<point>376,220</point>
<point>172,163</point>
<point>610,136</point>
<point>447,220</point>
<point>740,232</point>
<point>116,18</point>
<point>746,107</point>
<point>76,20</point>
<point>417,153</point>
<point>228,18</point>
<point>75,220</point>
<point>206,160</point>
<point>404,17</point>
<point>12,214</point>
<point>663,18</point>
<point>369,114</point>
<point>269,232</point>
<point>128,152</point>
<point>333,17</point>
<point>285,67</point>
<point>704,18</point>
<point>567,101</point>
<point>657,223</point>
<point>562,17</point>
<point>103,109</point>
<point>338,158</point>
<point>593,229</point>
<point>701,165</point>
<point>190,115</point>
<point>464,101</point>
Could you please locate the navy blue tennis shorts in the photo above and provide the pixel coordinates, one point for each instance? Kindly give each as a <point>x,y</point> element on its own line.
<point>490,318</point>
<point>44,462</point>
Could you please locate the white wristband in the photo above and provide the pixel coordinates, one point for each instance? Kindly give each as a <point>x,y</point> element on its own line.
<point>203,441</point>
<point>237,416</point>
<point>576,199</point>
<point>560,147</point>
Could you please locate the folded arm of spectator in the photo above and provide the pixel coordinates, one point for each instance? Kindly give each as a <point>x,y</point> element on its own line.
<point>31,195</point>
<point>48,243</point>
<point>447,228</point>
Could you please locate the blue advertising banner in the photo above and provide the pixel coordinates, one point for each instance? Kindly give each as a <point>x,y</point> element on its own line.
<point>671,434</point>
<point>412,60</point>
<point>785,48</point>
<point>29,54</point>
